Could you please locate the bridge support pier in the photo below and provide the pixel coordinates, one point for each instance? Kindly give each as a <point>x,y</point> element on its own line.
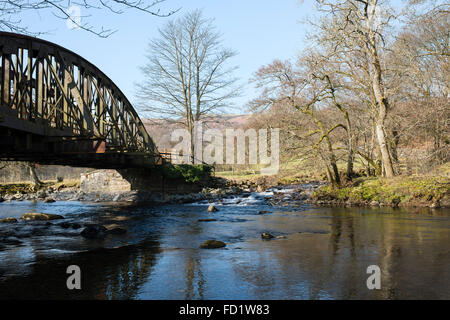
<point>134,179</point>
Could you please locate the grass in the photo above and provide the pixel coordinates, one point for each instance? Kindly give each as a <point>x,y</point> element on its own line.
<point>401,189</point>
<point>291,172</point>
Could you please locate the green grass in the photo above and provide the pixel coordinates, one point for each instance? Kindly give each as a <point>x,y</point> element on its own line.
<point>402,189</point>
<point>190,173</point>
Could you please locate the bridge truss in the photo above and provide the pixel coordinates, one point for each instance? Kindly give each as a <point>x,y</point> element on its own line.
<point>57,108</point>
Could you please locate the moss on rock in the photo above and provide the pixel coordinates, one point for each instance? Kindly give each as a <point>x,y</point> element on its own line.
<point>212,244</point>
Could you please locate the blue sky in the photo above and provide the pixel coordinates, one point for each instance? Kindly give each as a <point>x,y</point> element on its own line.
<point>259,30</point>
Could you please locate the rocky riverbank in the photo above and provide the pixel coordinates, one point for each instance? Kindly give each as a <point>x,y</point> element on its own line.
<point>50,194</point>
<point>430,192</point>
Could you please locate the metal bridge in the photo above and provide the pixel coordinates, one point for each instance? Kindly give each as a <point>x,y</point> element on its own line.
<point>57,108</point>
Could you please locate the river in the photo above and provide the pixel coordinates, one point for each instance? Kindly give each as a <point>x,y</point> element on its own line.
<point>320,252</point>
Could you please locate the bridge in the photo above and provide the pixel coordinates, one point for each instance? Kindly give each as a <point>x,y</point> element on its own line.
<point>57,108</point>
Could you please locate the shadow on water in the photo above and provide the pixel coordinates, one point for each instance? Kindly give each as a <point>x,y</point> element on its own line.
<point>106,274</point>
<point>322,253</point>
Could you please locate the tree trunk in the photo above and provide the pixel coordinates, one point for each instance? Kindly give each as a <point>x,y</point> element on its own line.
<point>350,156</point>
<point>333,161</point>
<point>330,176</point>
<point>32,168</point>
<point>383,107</point>
<point>394,145</point>
<point>385,157</point>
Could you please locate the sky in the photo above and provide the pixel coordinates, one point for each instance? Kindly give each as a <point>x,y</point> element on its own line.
<point>259,30</point>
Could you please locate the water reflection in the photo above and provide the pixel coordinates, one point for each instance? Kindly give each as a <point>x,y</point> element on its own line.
<point>106,274</point>
<point>325,255</point>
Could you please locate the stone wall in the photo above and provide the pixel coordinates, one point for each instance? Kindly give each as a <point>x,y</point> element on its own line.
<point>107,180</point>
<point>124,180</point>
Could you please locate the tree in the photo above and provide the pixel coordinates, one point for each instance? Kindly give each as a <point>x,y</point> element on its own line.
<point>421,67</point>
<point>359,26</point>
<point>11,9</point>
<point>32,169</point>
<point>187,75</point>
<point>303,90</point>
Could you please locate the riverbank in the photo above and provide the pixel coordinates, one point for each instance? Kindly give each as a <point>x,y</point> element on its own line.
<point>431,191</point>
<point>52,191</point>
<point>414,191</point>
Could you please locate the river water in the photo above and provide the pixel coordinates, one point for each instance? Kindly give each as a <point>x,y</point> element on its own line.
<point>324,254</point>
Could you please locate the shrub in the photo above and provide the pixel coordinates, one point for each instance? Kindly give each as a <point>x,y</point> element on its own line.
<point>190,173</point>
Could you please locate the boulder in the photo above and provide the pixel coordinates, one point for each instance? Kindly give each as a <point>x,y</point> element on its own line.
<point>8,220</point>
<point>64,225</point>
<point>211,208</point>
<point>40,216</point>
<point>1,199</point>
<point>94,231</point>
<point>435,205</point>
<point>266,236</point>
<point>49,200</point>
<point>212,244</point>
<point>395,202</point>
<point>260,188</point>
<point>117,231</point>
<point>41,194</point>
<point>75,226</point>
<point>263,212</point>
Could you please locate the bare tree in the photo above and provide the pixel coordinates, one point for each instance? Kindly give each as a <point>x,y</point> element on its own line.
<point>10,11</point>
<point>187,75</point>
<point>32,169</point>
<point>309,93</point>
<point>421,68</point>
<point>360,26</point>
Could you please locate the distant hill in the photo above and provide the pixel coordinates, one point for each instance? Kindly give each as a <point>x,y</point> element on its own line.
<point>160,129</point>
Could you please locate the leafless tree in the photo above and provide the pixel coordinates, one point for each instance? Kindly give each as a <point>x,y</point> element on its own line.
<point>421,68</point>
<point>355,26</point>
<point>10,11</point>
<point>301,88</point>
<point>187,75</point>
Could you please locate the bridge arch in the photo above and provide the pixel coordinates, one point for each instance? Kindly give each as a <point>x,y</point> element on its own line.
<point>58,108</point>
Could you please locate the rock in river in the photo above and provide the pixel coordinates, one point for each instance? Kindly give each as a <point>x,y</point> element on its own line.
<point>94,231</point>
<point>212,244</point>
<point>49,200</point>
<point>117,231</point>
<point>211,208</point>
<point>8,220</point>
<point>266,235</point>
<point>40,216</point>
<point>206,220</point>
